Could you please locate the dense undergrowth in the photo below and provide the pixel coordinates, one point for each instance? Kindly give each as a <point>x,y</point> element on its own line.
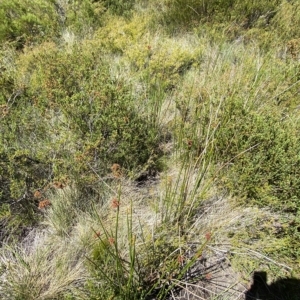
<point>121,121</point>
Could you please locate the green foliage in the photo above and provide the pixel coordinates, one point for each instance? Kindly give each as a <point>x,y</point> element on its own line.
<point>27,22</point>
<point>80,116</point>
<point>255,149</point>
<point>287,20</point>
<point>182,14</point>
<point>31,22</point>
<point>246,124</point>
<point>70,122</point>
<point>115,268</point>
<point>127,261</point>
<point>12,226</point>
<point>158,63</point>
<point>118,34</point>
<point>81,16</point>
<point>262,151</point>
<point>161,64</point>
<point>119,7</point>
<point>98,109</point>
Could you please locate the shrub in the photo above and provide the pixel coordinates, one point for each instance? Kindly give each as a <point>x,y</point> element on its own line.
<point>181,14</point>
<point>118,33</point>
<point>70,123</point>
<point>161,64</point>
<point>99,109</point>
<point>119,7</point>
<point>81,17</point>
<point>256,151</point>
<point>26,22</point>
<point>262,152</point>
<point>287,20</point>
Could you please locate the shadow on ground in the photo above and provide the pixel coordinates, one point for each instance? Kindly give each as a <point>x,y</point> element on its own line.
<point>283,289</point>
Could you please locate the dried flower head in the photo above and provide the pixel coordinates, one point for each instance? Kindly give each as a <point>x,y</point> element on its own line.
<point>208,236</point>
<point>44,204</point>
<point>4,110</point>
<point>293,48</point>
<point>115,203</point>
<point>37,194</point>
<point>116,170</point>
<point>97,234</point>
<point>111,241</point>
<point>180,259</point>
<point>58,185</point>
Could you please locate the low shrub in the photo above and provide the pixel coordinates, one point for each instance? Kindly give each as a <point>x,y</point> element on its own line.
<point>27,22</point>
<point>287,20</point>
<point>178,15</point>
<point>158,64</point>
<point>119,7</point>
<point>81,17</point>
<point>260,151</point>
<point>70,122</point>
<point>256,150</point>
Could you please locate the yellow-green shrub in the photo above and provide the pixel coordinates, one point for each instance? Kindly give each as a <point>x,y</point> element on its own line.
<point>287,20</point>
<point>156,60</point>
<point>162,63</point>
<point>118,33</point>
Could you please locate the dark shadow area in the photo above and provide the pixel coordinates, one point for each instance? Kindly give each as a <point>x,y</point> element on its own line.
<point>282,289</point>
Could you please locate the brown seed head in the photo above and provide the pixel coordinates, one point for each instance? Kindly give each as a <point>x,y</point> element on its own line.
<point>116,170</point>
<point>115,203</point>
<point>37,194</point>
<point>111,241</point>
<point>208,236</point>
<point>44,204</point>
<point>180,259</point>
<point>97,234</point>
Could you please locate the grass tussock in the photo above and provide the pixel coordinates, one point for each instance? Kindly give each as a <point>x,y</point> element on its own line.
<point>42,267</point>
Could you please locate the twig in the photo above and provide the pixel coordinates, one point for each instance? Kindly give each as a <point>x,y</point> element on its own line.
<point>298,81</point>
<point>271,260</point>
<point>101,179</point>
<point>192,285</point>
